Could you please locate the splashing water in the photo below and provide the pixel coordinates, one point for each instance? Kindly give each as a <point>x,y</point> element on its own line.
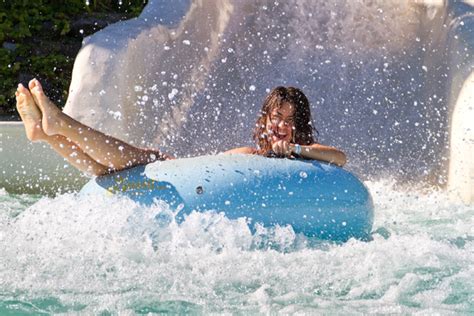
<point>366,67</point>
<point>96,254</point>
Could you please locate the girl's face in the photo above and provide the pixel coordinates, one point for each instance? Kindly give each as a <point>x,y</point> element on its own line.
<point>281,124</point>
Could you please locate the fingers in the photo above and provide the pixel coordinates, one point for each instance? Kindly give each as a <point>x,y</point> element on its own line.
<point>282,147</point>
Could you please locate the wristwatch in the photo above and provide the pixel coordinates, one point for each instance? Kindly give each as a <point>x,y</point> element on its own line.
<point>297,149</point>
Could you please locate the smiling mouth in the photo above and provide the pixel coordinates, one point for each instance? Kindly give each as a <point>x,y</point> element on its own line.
<point>278,136</point>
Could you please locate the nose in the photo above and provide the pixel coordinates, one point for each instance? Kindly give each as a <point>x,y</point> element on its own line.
<point>282,124</point>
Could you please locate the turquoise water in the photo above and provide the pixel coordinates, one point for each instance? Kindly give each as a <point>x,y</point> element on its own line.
<point>98,255</point>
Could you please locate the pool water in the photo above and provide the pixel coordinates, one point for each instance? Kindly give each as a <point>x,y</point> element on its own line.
<point>102,255</point>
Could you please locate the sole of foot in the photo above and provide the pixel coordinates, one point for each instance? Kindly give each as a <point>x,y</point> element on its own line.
<point>30,114</point>
<point>51,119</point>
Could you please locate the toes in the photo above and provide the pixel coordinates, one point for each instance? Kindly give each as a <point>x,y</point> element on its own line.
<point>36,92</point>
<point>32,83</point>
<point>35,86</point>
<point>19,94</point>
<point>21,89</point>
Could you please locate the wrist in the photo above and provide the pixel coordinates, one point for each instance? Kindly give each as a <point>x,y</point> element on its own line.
<point>297,149</point>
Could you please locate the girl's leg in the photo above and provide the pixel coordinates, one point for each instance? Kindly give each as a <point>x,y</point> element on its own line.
<point>31,117</point>
<point>75,156</point>
<point>106,150</point>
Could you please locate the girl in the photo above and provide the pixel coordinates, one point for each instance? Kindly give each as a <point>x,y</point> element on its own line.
<point>284,127</point>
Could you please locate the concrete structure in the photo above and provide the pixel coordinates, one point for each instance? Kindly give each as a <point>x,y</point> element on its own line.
<point>27,167</point>
<point>391,82</point>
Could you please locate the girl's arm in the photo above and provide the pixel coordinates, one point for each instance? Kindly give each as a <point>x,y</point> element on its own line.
<point>314,151</point>
<point>321,152</point>
<point>241,150</point>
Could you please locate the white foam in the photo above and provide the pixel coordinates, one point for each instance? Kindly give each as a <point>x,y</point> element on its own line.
<point>122,254</point>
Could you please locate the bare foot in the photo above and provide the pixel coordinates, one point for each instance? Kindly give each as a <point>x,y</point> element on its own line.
<point>52,115</point>
<point>30,114</point>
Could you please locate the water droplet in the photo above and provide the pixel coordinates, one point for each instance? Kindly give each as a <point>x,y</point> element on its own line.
<point>172,94</point>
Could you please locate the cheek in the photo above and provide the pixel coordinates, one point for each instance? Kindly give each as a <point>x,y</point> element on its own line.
<point>269,126</point>
<point>291,132</point>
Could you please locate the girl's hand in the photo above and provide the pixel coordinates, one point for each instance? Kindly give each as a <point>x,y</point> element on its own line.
<point>282,148</point>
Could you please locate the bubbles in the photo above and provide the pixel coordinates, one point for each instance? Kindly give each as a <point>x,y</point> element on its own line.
<point>172,94</point>
<point>132,258</point>
<point>117,115</point>
<point>420,253</point>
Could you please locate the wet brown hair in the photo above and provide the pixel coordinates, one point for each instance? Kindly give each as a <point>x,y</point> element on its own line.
<point>303,130</point>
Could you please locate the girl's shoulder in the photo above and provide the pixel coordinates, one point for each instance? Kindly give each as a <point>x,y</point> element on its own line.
<point>242,150</point>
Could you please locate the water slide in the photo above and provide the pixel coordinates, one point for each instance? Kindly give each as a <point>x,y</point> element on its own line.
<point>391,82</point>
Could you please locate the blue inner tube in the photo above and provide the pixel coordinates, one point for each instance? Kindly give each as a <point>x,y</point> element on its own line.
<point>317,199</point>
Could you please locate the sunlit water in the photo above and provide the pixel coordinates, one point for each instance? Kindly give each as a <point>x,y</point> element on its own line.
<point>107,255</point>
